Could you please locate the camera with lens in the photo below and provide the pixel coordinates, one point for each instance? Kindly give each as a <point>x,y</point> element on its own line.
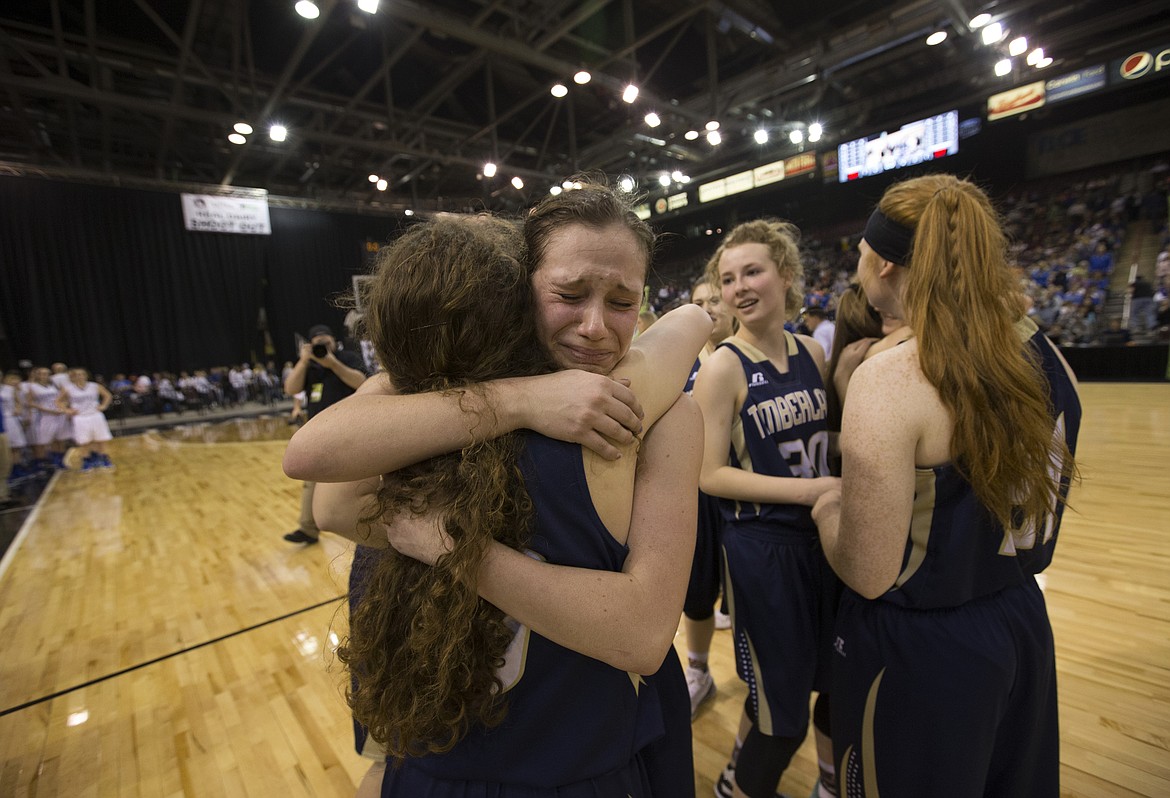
<point>320,351</point>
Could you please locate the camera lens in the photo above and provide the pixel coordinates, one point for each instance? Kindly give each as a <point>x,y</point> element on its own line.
<point>320,350</point>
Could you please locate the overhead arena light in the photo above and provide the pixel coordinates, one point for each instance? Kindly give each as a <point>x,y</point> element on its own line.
<point>243,128</point>
<point>992,33</point>
<point>383,184</point>
<point>653,120</point>
<point>489,169</point>
<point>814,131</point>
<point>517,182</point>
<point>1003,67</point>
<point>307,9</point>
<point>278,132</point>
<point>761,136</point>
<point>713,138</point>
<point>796,136</point>
<point>559,90</point>
<point>979,21</point>
<point>1019,46</point>
<point>691,135</point>
<point>938,37</point>
<point>626,184</point>
<point>630,94</point>
<point>582,77</point>
<point>369,6</point>
<point>236,138</point>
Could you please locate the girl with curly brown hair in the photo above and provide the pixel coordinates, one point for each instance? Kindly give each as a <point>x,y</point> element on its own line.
<point>554,703</point>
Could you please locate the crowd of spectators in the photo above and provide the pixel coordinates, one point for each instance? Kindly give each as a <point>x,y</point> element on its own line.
<point>200,390</point>
<point>1065,239</point>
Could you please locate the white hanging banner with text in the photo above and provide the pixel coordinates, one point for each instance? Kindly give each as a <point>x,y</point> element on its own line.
<point>210,213</point>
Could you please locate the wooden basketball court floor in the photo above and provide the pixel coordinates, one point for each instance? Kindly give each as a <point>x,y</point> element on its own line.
<point>159,638</point>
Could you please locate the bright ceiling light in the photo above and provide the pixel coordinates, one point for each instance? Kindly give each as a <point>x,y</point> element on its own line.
<point>517,182</point>
<point>938,37</point>
<point>761,136</point>
<point>307,9</point>
<point>1035,56</point>
<point>979,21</point>
<point>559,90</point>
<point>582,77</point>
<point>1019,46</point>
<point>236,138</point>
<point>374,178</point>
<point>555,190</point>
<point>796,136</point>
<point>677,176</point>
<point>992,33</point>
<point>712,125</point>
<point>1044,62</point>
<point>278,132</point>
<point>652,119</point>
<point>369,6</point>
<point>489,169</point>
<point>713,138</point>
<point>814,131</point>
<point>1003,67</point>
<point>630,94</point>
<point>664,179</point>
<point>691,135</point>
<point>408,212</point>
<point>626,184</point>
<point>567,185</point>
<point>383,184</point>
<point>243,128</point>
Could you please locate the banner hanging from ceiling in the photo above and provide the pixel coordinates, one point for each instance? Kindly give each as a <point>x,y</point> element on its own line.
<point>211,213</point>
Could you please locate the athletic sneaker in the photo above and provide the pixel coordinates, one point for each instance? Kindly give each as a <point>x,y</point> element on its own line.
<point>104,461</point>
<point>723,785</point>
<point>722,620</point>
<point>89,463</point>
<point>297,536</point>
<point>700,685</point>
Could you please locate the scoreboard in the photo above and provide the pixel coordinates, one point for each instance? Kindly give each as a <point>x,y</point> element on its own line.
<point>913,143</point>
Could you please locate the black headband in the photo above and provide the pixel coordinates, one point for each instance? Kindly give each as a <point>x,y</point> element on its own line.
<point>887,238</point>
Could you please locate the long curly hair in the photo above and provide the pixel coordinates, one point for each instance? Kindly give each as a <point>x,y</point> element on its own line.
<point>960,299</point>
<point>783,242</point>
<point>450,306</point>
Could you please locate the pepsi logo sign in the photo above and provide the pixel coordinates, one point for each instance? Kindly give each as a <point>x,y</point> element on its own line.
<point>1136,65</point>
<point>1141,63</point>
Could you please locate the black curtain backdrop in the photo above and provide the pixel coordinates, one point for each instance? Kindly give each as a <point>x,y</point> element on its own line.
<point>108,278</point>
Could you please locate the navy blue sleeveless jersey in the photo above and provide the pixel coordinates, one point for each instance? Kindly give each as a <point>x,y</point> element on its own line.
<point>956,551</point>
<point>781,431</point>
<point>572,720</point>
<point>365,559</point>
<point>976,671</point>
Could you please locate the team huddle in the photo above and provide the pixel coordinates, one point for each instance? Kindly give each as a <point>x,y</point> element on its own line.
<point>538,495</point>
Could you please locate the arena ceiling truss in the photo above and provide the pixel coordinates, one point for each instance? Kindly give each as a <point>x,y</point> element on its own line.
<point>424,93</point>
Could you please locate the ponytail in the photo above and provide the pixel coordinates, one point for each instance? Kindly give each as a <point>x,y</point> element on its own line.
<point>960,301</point>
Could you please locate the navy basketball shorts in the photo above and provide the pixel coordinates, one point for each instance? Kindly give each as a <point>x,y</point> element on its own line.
<point>703,588</point>
<point>956,701</point>
<point>782,596</point>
